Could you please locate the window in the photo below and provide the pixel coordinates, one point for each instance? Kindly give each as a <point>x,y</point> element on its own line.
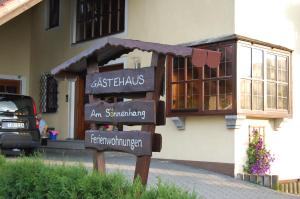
<point>264,79</point>
<point>99,18</point>
<point>253,79</point>
<point>10,86</point>
<point>53,14</point>
<point>185,84</point>
<point>204,90</point>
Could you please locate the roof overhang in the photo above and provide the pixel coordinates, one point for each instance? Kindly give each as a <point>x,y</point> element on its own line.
<point>12,8</point>
<point>112,48</point>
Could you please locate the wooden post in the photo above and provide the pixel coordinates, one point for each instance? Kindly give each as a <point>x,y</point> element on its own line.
<point>275,182</point>
<point>143,162</point>
<point>98,158</point>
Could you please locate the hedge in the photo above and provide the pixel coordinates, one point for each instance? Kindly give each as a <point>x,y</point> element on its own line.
<point>30,178</point>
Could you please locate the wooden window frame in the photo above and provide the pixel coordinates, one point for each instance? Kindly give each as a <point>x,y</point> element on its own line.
<point>200,109</point>
<point>97,18</point>
<point>236,78</point>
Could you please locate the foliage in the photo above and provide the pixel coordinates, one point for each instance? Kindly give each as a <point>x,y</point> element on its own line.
<point>30,178</point>
<point>259,158</point>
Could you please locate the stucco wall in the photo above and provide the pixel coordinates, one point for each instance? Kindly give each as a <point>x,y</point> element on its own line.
<point>177,21</point>
<point>204,139</point>
<point>15,48</point>
<point>275,22</point>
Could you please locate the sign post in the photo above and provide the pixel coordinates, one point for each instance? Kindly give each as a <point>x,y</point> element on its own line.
<point>146,81</point>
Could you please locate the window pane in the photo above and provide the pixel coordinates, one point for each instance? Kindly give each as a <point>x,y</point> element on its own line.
<point>114,23</point>
<point>114,6</point>
<point>105,7</point>
<point>54,13</point>
<point>258,95</point>
<point>222,50</point>
<point>271,67</point>
<point>225,68</point>
<point>271,95</point>
<point>178,69</point>
<point>257,64</point>
<point>96,27</point>
<point>245,61</point>
<point>282,96</point>
<point>225,95</point>
<point>11,89</point>
<point>193,95</point>
<point>2,89</point>
<point>80,32</point>
<point>210,72</point>
<point>89,9</point>
<point>222,69</point>
<point>228,68</point>
<point>192,71</point>
<point>122,15</point>
<point>282,69</point>
<point>105,25</point>
<point>229,54</point>
<point>245,94</point>
<point>80,10</point>
<point>88,30</point>
<point>178,96</point>
<point>210,96</point>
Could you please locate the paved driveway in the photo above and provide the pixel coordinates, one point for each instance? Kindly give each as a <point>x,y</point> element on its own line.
<point>205,183</point>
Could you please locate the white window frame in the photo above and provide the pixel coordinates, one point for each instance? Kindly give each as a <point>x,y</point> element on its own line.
<point>17,77</point>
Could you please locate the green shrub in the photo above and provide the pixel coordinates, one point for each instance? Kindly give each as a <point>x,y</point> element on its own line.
<point>30,178</point>
<point>2,160</point>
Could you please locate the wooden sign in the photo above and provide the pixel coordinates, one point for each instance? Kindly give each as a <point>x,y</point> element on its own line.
<point>121,81</point>
<point>138,143</point>
<point>130,112</point>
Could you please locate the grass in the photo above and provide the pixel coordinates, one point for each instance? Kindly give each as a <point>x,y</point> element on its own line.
<point>31,178</point>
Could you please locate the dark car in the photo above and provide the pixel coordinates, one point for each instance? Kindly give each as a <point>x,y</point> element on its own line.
<point>18,123</point>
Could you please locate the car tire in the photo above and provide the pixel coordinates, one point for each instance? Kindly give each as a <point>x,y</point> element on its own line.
<point>29,152</point>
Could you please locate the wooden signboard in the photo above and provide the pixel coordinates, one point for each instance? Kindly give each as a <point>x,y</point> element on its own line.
<point>138,143</point>
<point>130,112</point>
<point>121,81</point>
<point>148,112</point>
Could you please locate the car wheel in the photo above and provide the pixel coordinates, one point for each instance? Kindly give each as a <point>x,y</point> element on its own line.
<point>29,152</point>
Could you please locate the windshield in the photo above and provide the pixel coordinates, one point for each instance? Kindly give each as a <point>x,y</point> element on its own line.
<point>16,104</point>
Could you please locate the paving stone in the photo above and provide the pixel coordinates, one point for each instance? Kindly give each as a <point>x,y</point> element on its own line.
<point>204,183</point>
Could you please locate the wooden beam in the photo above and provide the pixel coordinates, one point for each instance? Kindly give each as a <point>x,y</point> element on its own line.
<point>98,159</point>
<point>143,162</point>
<point>15,8</point>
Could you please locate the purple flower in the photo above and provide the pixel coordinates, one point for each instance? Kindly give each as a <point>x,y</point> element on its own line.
<point>259,158</point>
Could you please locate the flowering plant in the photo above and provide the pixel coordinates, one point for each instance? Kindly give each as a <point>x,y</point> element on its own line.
<point>259,158</point>
<point>54,132</point>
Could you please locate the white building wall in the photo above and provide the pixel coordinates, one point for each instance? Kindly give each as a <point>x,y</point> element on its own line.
<point>205,138</point>
<point>277,22</point>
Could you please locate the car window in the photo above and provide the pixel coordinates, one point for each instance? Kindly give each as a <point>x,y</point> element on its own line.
<point>16,104</point>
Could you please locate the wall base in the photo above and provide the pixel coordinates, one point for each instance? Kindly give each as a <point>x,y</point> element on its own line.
<point>218,167</point>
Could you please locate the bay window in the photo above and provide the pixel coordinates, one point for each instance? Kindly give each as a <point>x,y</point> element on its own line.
<point>253,79</point>
<point>264,80</point>
<point>200,90</point>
